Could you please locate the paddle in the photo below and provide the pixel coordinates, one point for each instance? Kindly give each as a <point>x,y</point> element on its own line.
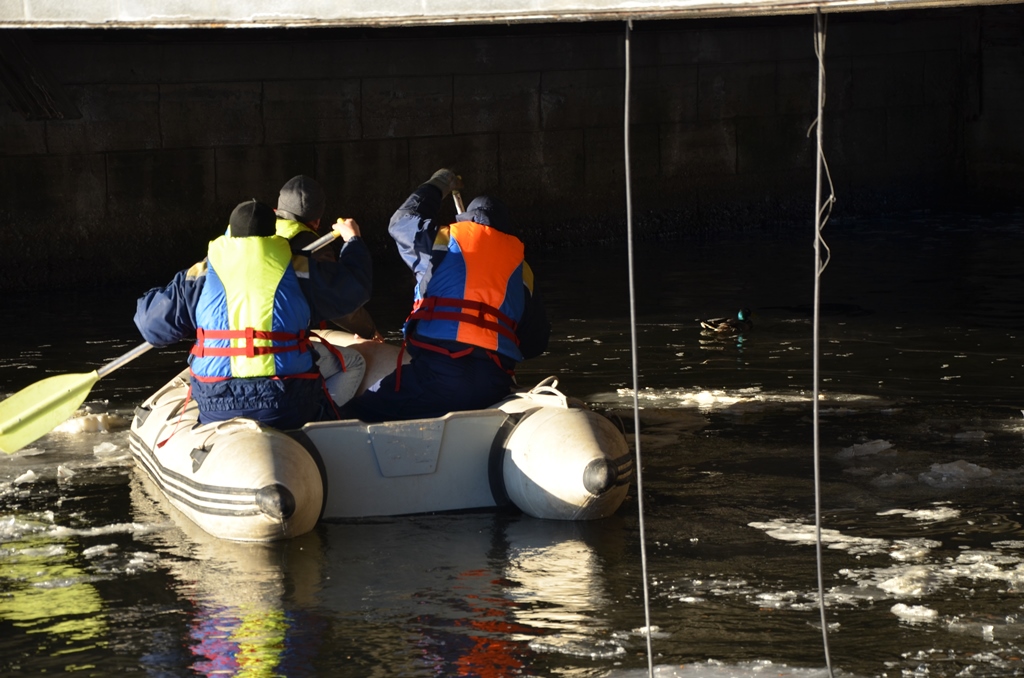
<point>459,207</point>
<point>321,241</point>
<point>35,410</point>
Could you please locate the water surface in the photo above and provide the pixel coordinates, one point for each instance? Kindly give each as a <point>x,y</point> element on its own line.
<point>921,432</point>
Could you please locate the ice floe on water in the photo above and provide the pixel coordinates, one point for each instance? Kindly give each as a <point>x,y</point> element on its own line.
<point>579,645</point>
<point>93,422</point>
<point>99,550</point>
<point>787,530</point>
<point>878,461</point>
<point>913,613</point>
<point>921,566</point>
<point>925,515</point>
<point>701,399</point>
<point>28,452</point>
<point>954,474</point>
<point>864,449</point>
<point>734,400</point>
<point>28,476</point>
<point>717,669</point>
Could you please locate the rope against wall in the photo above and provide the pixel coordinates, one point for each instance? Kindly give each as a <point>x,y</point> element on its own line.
<point>633,351</point>
<point>821,214</point>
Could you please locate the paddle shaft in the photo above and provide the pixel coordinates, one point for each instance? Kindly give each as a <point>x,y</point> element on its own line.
<point>123,360</point>
<point>459,207</point>
<point>321,241</point>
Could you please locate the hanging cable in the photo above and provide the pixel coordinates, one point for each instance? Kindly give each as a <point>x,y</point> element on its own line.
<point>636,379</point>
<point>819,266</point>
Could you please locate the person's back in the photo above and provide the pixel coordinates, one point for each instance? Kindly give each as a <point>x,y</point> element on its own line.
<point>300,207</point>
<point>474,290</point>
<point>249,315</point>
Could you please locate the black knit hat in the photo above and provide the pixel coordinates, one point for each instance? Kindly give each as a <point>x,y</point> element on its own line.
<point>488,211</point>
<point>252,218</point>
<point>302,199</point>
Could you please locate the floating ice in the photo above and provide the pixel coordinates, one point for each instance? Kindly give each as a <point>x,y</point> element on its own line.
<point>912,549</point>
<point>717,669</point>
<point>101,550</point>
<point>106,450</point>
<point>796,532</point>
<point>863,449</point>
<point>49,551</point>
<point>578,646</point>
<point>931,515</point>
<point>914,581</point>
<point>655,632</point>
<point>141,561</point>
<point>914,613</point>
<point>116,528</point>
<point>954,474</point>
<point>1008,544</point>
<point>93,423</point>
<point>28,476</point>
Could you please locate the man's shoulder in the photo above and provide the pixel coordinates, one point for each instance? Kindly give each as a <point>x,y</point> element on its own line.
<point>196,271</point>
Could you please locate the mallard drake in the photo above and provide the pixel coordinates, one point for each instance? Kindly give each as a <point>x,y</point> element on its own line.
<point>741,323</point>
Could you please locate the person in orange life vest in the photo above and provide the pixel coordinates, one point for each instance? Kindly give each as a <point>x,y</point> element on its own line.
<point>476,313</point>
<point>300,207</point>
<point>249,306</point>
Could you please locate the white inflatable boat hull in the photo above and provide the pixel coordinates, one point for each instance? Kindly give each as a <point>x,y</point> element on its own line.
<point>238,480</point>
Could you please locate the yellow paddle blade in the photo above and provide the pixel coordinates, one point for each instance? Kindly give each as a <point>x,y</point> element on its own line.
<point>35,410</point>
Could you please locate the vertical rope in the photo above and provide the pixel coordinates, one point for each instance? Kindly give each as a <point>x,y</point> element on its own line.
<point>819,267</point>
<point>633,345</point>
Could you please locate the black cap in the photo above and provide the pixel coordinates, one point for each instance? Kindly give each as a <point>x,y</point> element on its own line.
<point>302,199</point>
<point>252,218</point>
<point>488,211</point>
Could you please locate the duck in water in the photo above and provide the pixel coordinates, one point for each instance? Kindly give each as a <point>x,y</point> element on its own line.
<point>741,323</point>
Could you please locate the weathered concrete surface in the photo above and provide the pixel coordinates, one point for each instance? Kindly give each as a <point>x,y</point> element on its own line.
<point>303,13</point>
<point>176,127</point>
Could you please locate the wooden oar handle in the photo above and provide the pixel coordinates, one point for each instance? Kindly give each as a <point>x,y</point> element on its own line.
<point>459,207</point>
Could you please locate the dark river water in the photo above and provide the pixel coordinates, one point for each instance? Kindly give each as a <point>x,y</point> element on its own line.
<point>921,435</point>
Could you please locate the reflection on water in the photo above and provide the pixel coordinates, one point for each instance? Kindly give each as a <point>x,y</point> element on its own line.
<point>249,602</point>
<point>475,595</point>
<point>921,429</point>
<point>47,596</point>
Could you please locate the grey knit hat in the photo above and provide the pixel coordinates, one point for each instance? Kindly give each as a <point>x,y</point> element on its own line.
<point>302,199</point>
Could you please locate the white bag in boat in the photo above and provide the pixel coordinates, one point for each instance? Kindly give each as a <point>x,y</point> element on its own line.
<point>341,384</point>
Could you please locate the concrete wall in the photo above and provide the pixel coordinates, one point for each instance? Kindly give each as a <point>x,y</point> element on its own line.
<point>179,126</point>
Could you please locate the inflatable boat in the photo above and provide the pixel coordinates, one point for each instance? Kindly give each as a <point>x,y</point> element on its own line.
<point>537,450</point>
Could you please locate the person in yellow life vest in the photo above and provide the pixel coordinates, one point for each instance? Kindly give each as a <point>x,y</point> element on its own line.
<point>249,312</point>
<point>476,312</point>
<point>300,207</point>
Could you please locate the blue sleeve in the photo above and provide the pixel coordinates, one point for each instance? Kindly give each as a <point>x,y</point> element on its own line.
<point>165,315</point>
<point>337,288</point>
<point>413,228</point>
